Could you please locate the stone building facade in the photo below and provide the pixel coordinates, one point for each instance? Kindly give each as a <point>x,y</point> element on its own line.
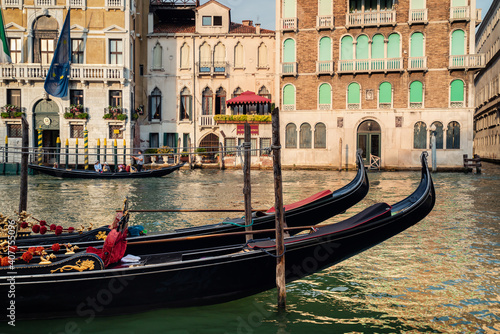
<point>487,81</point>
<point>376,75</point>
<point>198,59</point>
<point>102,73</point>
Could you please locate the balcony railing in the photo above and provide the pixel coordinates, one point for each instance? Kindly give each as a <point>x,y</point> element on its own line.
<point>417,16</point>
<point>325,22</point>
<point>207,120</point>
<point>325,106</point>
<point>12,3</point>
<point>417,64</point>
<point>385,105</point>
<point>289,69</point>
<point>37,72</point>
<point>77,3</point>
<point>212,68</point>
<point>115,4</point>
<point>456,104</point>
<point>468,61</point>
<point>289,24</point>
<point>324,67</point>
<point>460,13</point>
<point>416,105</point>
<point>353,106</point>
<point>373,18</point>
<point>371,65</point>
<point>45,3</point>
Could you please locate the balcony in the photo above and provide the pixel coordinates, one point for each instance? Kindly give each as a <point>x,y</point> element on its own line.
<point>417,16</point>
<point>460,13</point>
<point>324,67</point>
<point>371,65</point>
<point>45,3</point>
<point>467,62</point>
<point>289,24</point>
<point>371,19</point>
<point>209,68</point>
<point>81,72</point>
<point>325,22</point>
<point>12,4</point>
<point>115,4</point>
<point>289,69</point>
<point>207,121</point>
<point>416,64</point>
<point>77,3</point>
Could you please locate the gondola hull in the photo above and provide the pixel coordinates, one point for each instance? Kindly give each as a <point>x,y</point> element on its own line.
<point>309,214</point>
<point>90,174</point>
<point>181,279</point>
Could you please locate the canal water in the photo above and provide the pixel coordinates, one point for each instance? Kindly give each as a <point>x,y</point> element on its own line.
<point>440,276</point>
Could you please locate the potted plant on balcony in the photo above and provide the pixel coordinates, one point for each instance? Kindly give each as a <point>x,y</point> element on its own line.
<point>115,112</point>
<point>238,119</point>
<point>11,111</point>
<point>76,111</point>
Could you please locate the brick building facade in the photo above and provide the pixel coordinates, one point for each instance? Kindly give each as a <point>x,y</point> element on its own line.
<point>376,75</point>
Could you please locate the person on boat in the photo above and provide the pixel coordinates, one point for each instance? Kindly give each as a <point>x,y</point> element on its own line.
<point>98,167</point>
<point>105,168</point>
<point>121,168</point>
<point>139,160</point>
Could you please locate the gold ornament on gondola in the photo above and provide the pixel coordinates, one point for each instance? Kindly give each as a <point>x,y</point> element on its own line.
<point>79,266</point>
<point>46,260</point>
<point>70,249</point>
<point>101,235</point>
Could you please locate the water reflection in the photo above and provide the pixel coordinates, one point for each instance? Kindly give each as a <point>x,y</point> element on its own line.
<point>439,276</point>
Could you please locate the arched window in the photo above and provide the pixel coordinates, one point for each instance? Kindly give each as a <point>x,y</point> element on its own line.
<point>325,49</point>
<point>385,95</point>
<point>346,48</point>
<point>416,59</point>
<point>457,94</point>
<point>378,46</point>
<point>289,8</point>
<point>220,58</point>
<point>394,46</point>
<point>353,96</point>
<point>155,105</point>
<point>453,136</point>
<point>416,94</point>
<point>186,106</point>
<point>220,101</point>
<point>237,110</point>
<point>362,47</point>
<point>439,135</point>
<point>320,136</point>
<point>417,4</point>
<point>305,136</point>
<point>291,136</point>
<point>420,135</point>
<point>185,56</point>
<point>325,97</point>
<point>157,56</point>
<point>263,62</point>
<point>238,56</point>
<point>289,97</point>
<point>457,43</point>
<point>205,58</point>
<point>207,102</point>
<point>264,109</point>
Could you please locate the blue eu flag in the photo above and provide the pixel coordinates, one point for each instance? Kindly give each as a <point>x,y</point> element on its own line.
<point>57,81</point>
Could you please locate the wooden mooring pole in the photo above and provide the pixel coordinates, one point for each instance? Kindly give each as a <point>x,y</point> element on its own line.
<point>23,198</point>
<point>279,214</point>
<point>247,187</point>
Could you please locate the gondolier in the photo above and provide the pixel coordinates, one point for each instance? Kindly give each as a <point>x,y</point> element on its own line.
<point>139,160</point>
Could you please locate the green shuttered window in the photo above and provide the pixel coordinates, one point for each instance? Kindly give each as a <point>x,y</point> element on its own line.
<point>385,93</point>
<point>416,92</point>
<point>353,93</point>
<point>325,94</point>
<point>289,95</point>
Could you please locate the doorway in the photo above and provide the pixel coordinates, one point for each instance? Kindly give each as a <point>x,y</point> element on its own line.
<point>369,140</point>
<point>46,118</point>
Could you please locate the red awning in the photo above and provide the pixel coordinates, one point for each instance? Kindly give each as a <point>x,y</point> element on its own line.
<point>247,98</point>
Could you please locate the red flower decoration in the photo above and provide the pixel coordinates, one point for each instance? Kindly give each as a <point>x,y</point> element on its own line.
<point>59,230</point>
<point>36,228</point>
<point>71,229</point>
<point>56,247</point>
<point>43,229</point>
<point>43,222</point>
<point>53,227</point>
<point>39,250</point>
<point>32,250</point>
<point>24,224</point>
<point>13,249</point>
<point>27,256</point>
<point>5,261</point>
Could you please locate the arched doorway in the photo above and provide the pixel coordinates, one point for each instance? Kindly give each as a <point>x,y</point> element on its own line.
<point>369,134</point>
<point>46,117</point>
<point>209,145</point>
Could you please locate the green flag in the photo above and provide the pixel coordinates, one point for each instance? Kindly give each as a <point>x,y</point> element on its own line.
<point>5,52</point>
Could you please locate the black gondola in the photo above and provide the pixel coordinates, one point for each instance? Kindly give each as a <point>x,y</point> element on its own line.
<point>91,174</point>
<point>202,277</point>
<point>310,211</point>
